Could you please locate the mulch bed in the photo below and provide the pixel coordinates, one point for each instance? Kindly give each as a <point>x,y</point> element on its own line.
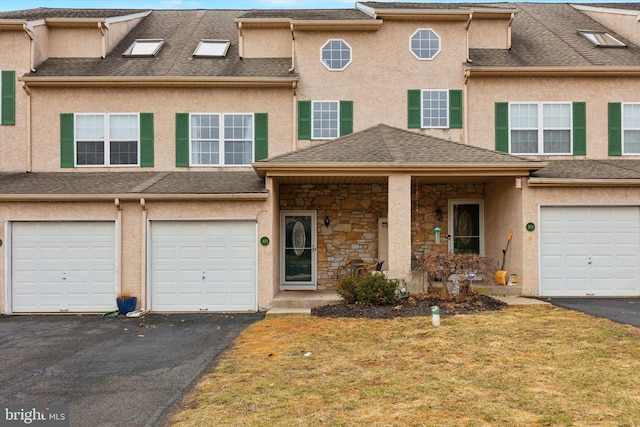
<point>415,305</point>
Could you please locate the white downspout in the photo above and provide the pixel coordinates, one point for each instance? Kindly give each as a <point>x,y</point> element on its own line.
<point>29,137</point>
<point>119,245</point>
<point>143,263</point>
<point>240,41</point>
<point>32,48</point>
<point>102,27</point>
<point>293,49</point>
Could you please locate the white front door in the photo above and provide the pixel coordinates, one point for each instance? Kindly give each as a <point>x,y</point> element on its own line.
<point>63,266</point>
<point>590,251</point>
<point>298,250</point>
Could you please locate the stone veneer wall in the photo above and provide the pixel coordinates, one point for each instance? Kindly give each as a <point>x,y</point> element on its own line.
<point>354,210</point>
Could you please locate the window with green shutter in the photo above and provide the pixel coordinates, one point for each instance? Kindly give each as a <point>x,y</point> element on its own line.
<point>8,102</point>
<point>624,128</point>
<point>615,128</point>
<point>304,119</point>
<point>182,140</point>
<point>324,119</point>
<point>146,140</point>
<point>428,108</point>
<point>502,126</point>
<point>67,141</point>
<point>262,136</point>
<point>579,129</point>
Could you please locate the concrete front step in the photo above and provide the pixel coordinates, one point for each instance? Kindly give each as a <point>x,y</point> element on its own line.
<point>305,299</point>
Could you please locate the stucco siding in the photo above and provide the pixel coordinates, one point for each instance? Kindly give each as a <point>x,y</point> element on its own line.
<point>382,70</point>
<point>75,42</point>
<point>597,92</point>
<point>48,104</point>
<point>266,43</point>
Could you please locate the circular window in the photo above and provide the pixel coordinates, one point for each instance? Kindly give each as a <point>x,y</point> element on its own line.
<point>425,44</point>
<point>335,54</point>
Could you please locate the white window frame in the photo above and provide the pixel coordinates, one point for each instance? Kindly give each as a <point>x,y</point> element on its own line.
<point>423,117</point>
<point>221,45</point>
<point>626,126</point>
<point>328,66</point>
<point>601,38</point>
<point>221,140</point>
<point>540,128</point>
<point>418,57</point>
<point>106,142</point>
<point>130,52</point>
<point>313,127</point>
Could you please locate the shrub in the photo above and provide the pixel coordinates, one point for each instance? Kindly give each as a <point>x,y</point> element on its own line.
<point>373,289</point>
<point>346,288</point>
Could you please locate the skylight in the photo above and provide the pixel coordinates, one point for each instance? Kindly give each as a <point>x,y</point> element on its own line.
<point>144,47</point>
<point>601,39</point>
<point>212,48</point>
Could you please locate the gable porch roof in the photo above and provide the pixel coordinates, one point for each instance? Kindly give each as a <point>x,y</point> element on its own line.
<point>383,150</point>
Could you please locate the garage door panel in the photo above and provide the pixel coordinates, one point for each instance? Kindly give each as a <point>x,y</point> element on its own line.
<point>214,265</point>
<point>600,247</point>
<point>63,266</point>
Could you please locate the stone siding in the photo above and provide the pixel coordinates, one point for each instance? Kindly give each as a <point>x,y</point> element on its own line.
<point>353,212</point>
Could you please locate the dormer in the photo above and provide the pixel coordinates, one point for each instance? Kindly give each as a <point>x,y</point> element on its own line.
<point>623,21</point>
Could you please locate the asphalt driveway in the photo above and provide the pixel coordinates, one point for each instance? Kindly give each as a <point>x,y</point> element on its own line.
<point>621,310</point>
<point>111,371</point>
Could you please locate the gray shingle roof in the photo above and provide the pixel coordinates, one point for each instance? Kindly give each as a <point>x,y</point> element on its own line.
<point>591,169</point>
<point>182,30</point>
<point>309,14</point>
<point>48,12</point>
<point>546,34</point>
<point>122,183</point>
<point>387,144</point>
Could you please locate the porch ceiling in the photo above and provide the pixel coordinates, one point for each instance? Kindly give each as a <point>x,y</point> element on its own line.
<point>429,180</point>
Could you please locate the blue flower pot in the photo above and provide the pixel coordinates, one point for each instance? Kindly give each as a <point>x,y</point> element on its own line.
<point>126,305</point>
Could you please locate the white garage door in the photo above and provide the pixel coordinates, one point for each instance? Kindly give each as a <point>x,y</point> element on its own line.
<point>588,251</point>
<point>203,266</point>
<point>63,267</point>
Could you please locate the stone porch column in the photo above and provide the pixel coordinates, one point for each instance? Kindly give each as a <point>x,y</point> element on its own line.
<point>399,226</point>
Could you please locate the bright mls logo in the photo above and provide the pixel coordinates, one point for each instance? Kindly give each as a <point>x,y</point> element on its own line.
<point>35,415</point>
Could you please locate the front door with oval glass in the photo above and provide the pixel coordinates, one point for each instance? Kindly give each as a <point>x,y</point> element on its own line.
<point>466,226</point>
<point>298,250</point>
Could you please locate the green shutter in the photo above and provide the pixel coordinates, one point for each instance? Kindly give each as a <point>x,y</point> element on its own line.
<point>414,112</point>
<point>502,126</point>
<point>262,136</point>
<point>455,109</point>
<point>579,129</point>
<point>146,140</point>
<point>182,140</point>
<point>304,119</point>
<point>66,141</point>
<point>615,129</point>
<point>8,104</point>
<point>346,117</point>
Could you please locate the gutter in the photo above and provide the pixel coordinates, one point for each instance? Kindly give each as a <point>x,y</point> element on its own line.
<point>130,197</point>
<point>561,71</point>
<point>576,182</point>
<point>386,169</point>
<point>172,81</point>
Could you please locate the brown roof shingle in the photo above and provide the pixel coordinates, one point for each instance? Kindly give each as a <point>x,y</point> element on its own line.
<point>122,183</point>
<point>590,169</point>
<point>387,144</point>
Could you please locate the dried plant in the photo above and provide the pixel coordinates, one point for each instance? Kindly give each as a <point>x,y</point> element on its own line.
<point>462,268</point>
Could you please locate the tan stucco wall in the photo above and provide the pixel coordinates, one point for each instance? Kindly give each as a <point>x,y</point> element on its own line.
<point>489,34</point>
<point>597,92</point>
<point>266,43</point>
<point>132,238</point>
<point>15,56</point>
<point>117,31</point>
<point>382,70</point>
<point>48,104</point>
<point>502,214</point>
<point>534,197</point>
<point>75,42</point>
